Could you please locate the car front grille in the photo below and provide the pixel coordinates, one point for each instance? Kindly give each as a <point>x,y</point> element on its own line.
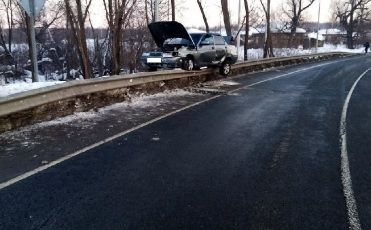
<point>155,54</point>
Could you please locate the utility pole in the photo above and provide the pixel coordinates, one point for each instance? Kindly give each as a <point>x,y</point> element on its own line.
<point>168,10</point>
<point>238,23</point>
<point>32,9</point>
<point>267,29</point>
<point>156,11</point>
<point>267,23</point>
<point>31,22</point>
<point>239,13</point>
<point>319,14</point>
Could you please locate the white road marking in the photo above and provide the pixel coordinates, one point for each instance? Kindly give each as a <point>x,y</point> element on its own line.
<point>56,162</point>
<point>346,178</point>
<point>284,75</point>
<point>67,157</point>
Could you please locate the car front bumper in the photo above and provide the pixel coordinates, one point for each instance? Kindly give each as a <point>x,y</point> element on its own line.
<point>161,62</point>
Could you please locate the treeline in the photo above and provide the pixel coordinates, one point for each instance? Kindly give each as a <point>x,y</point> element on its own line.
<point>70,46</point>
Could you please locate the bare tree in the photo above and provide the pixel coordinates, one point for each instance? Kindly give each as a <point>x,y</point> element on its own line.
<point>363,18</point>
<point>164,9</point>
<point>268,48</point>
<point>203,15</point>
<point>17,25</point>
<point>3,41</point>
<point>8,7</point>
<point>31,51</point>
<point>136,36</point>
<point>117,14</point>
<point>226,17</point>
<point>173,10</point>
<point>251,19</point>
<point>247,29</point>
<point>7,57</point>
<point>146,11</point>
<point>76,13</point>
<point>349,14</point>
<point>52,13</point>
<point>98,61</point>
<point>294,10</point>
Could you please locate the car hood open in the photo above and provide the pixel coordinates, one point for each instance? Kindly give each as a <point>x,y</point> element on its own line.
<point>164,30</point>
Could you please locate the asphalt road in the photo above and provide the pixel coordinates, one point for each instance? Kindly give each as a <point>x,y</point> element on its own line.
<point>263,157</point>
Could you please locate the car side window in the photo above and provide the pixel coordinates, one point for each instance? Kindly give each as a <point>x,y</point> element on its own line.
<point>207,40</point>
<point>219,40</point>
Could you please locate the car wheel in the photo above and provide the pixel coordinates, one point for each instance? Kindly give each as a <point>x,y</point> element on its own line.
<point>225,68</point>
<point>188,64</point>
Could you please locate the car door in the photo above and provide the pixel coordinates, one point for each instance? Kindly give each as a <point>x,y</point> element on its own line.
<point>206,50</point>
<point>220,47</point>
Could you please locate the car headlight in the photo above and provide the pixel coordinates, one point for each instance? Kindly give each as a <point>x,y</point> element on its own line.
<point>145,55</point>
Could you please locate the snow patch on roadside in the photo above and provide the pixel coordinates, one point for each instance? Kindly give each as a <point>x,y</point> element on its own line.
<point>80,116</point>
<point>88,119</point>
<point>77,119</point>
<point>255,54</point>
<point>19,87</point>
<point>339,48</point>
<point>144,101</point>
<point>220,83</point>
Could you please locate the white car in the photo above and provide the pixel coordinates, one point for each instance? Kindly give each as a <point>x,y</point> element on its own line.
<point>179,49</point>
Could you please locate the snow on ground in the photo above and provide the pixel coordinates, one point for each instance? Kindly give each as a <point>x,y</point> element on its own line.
<point>88,119</point>
<point>254,54</point>
<point>144,101</point>
<point>18,87</point>
<point>220,83</point>
<point>80,119</point>
<point>340,48</point>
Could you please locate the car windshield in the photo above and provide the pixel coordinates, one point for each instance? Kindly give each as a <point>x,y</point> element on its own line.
<point>177,41</point>
<point>196,38</point>
<point>173,44</point>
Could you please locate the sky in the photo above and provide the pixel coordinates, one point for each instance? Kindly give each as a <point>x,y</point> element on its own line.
<point>190,16</point>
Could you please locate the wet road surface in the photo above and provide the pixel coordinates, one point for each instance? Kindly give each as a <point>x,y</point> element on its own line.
<point>266,156</point>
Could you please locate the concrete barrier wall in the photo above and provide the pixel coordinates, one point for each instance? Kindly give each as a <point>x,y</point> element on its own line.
<point>61,100</point>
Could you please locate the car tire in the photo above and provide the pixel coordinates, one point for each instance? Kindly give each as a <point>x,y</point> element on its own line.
<point>188,64</point>
<point>225,69</point>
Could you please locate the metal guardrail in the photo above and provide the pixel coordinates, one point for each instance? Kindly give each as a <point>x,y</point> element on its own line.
<point>34,98</point>
<point>22,101</point>
<point>288,59</point>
